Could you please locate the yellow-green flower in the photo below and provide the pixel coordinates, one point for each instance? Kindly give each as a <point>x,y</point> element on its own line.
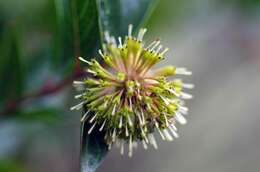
<point>127,99</point>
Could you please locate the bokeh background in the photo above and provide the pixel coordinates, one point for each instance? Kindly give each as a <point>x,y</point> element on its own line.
<point>218,40</point>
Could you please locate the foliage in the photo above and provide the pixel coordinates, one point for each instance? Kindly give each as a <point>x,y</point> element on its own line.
<point>11,166</point>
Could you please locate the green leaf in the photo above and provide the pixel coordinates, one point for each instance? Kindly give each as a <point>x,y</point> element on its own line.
<point>93,148</point>
<point>116,15</point>
<point>77,30</point>
<point>88,21</point>
<point>11,69</point>
<point>63,35</point>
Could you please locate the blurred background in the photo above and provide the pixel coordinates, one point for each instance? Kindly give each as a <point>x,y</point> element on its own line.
<point>218,40</point>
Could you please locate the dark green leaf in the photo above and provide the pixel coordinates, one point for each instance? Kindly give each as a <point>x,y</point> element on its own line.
<point>63,37</point>
<point>93,148</point>
<point>116,15</point>
<point>11,72</point>
<point>88,27</point>
<point>77,30</point>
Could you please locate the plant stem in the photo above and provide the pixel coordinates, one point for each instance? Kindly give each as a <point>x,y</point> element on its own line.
<point>13,105</point>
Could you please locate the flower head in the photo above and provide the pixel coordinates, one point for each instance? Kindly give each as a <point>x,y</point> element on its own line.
<point>129,100</point>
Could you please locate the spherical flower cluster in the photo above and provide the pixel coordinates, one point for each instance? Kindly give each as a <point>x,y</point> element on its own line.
<point>129,101</point>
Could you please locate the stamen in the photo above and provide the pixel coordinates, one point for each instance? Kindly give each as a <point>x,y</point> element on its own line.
<point>161,134</point>
<point>113,40</point>
<point>107,37</point>
<point>122,147</point>
<point>130,104</point>
<point>155,45</point>
<point>143,134</point>
<point>141,34</point>
<point>121,122</point>
<point>130,153</point>
<point>150,45</point>
<point>167,135</point>
<point>145,128</point>
<point>184,110</point>
<point>185,95</point>
<point>78,83</point>
<point>126,131</point>
<point>183,71</point>
<point>109,146</point>
<point>152,141</point>
<point>173,92</point>
<point>130,29</point>
<point>90,130</point>
<point>78,106</point>
<point>144,144</point>
<point>142,114</point>
<point>100,52</point>
<point>166,120</point>
<point>165,100</point>
<point>140,119</point>
<point>129,120</point>
<point>81,59</point>
<point>150,81</point>
<point>92,119</point>
<point>174,127</point>
<point>102,126</point>
<point>79,96</point>
<point>188,86</point>
<point>158,49</point>
<point>174,133</point>
<point>180,118</point>
<point>114,135</point>
<point>164,51</point>
<point>84,116</point>
<point>120,42</point>
<point>79,87</point>
<point>114,110</point>
<point>91,71</point>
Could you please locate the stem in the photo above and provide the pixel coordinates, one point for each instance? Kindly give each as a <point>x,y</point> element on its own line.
<point>13,105</point>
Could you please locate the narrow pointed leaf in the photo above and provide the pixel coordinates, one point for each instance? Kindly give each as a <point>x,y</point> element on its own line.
<point>93,148</point>
<point>77,31</point>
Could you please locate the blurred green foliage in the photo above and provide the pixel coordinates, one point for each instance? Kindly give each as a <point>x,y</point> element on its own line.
<point>11,166</point>
<point>246,7</point>
<point>43,115</point>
